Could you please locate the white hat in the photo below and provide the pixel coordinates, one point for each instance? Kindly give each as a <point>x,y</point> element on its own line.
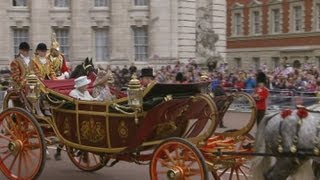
<point>81,81</point>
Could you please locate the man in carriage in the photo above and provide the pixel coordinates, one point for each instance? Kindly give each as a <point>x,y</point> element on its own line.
<point>58,60</point>
<point>42,66</point>
<point>21,66</point>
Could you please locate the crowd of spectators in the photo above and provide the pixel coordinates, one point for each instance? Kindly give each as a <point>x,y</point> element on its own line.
<point>303,79</point>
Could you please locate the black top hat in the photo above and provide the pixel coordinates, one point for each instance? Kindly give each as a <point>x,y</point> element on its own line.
<point>24,46</point>
<point>147,72</point>
<point>261,77</point>
<point>42,47</point>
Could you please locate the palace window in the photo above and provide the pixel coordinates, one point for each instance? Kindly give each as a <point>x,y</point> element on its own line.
<point>101,3</point>
<point>317,16</point>
<point>237,24</point>
<point>256,22</point>
<point>237,63</point>
<point>101,44</point>
<point>256,63</point>
<point>141,2</point>
<point>20,3</point>
<point>19,36</point>
<point>275,19</point>
<point>297,18</point>
<point>276,62</point>
<point>63,40</point>
<point>141,43</point>
<point>61,3</point>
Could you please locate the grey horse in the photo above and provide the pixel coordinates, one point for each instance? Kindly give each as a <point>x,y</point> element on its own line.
<point>288,133</point>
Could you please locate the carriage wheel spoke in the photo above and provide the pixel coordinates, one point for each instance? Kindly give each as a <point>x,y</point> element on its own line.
<point>5,137</point>
<point>237,173</point>
<point>177,157</point>
<point>223,172</point>
<point>24,159</point>
<point>14,161</point>
<point>95,158</point>
<point>19,166</point>
<point>165,163</point>
<point>169,156</point>
<point>6,156</point>
<point>244,174</point>
<point>231,174</point>
<point>193,172</point>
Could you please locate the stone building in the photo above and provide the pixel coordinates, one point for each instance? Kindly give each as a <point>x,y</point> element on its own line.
<point>111,31</point>
<point>265,32</point>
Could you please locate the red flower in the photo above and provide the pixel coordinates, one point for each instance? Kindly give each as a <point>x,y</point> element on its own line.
<point>302,113</point>
<point>285,113</point>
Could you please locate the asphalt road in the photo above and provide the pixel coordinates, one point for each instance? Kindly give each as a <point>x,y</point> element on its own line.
<point>65,170</point>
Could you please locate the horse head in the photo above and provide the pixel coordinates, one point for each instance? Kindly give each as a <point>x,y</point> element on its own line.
<point>84,69</point>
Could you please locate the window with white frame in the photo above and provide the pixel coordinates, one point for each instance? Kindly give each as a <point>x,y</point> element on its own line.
<point>101,44</point>
<point>276,62</point>
<point>20,3</point>
<point>256,22</point>
<point>63,39</point>
<point>297,18</point>
<point>101,3</point>
<point>141,2</point>
<point>140,43</point>
<point>237,23</point>
<point>317,16</point>
<point>61,3</point>
<point>237,63</point>
<point>19,36</point>
<point>276,20</point>
<point>256,63</point>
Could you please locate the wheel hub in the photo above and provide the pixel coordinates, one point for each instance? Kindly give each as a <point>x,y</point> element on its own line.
<point>15,147</point>
<point>175,173</point>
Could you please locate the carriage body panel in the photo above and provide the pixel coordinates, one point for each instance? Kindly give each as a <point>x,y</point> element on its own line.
<point>100,127</point>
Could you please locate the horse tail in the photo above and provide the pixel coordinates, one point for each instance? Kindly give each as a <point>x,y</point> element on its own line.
<point>261,163</point>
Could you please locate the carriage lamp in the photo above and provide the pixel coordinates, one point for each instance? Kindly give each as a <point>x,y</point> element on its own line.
<point>135,95</point>
<point>33,89</point>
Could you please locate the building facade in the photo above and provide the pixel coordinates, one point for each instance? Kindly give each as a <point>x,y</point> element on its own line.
<point>110,31</point>
<point>269,32</point>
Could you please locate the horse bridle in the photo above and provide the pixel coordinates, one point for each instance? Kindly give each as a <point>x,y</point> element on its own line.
<point>86,67</point>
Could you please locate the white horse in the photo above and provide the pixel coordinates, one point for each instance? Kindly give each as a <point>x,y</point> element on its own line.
<point>288,133</point>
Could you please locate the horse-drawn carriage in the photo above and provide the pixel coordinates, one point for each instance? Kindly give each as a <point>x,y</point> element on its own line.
<point>172,126</point>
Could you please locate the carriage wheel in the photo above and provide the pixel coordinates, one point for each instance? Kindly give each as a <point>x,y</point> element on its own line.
<point>177,159</point>
<point>85,161</point>
<point>239,168</point>
<point>22,145</point>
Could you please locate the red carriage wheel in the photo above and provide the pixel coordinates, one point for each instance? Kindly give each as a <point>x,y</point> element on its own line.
<point>239,168</point>
<point>177,159</point>
<point>22,145</point>
<point>84,160</point>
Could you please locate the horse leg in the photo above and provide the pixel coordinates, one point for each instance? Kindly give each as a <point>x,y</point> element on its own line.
<point>283,168</point>
<point>316,169</point>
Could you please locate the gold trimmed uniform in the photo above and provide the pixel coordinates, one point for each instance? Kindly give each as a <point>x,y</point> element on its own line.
<point>43,68</point>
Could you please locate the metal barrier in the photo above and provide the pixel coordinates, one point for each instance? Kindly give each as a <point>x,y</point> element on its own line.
<point>279,99</point>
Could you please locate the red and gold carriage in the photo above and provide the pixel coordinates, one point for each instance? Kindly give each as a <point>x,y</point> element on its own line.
<point>169,126</point>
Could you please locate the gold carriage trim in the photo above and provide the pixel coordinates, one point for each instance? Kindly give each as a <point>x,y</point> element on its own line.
<point>92,131</point>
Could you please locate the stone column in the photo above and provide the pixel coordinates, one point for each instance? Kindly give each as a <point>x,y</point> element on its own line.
<point>163,29</point>
<point>186,29</point>
<point>81,43</point>
<point>120,31</point>
<point>6,39</point>
<point>40,30</point>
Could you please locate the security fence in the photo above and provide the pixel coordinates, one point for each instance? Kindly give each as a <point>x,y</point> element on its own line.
<point>278,99</point>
